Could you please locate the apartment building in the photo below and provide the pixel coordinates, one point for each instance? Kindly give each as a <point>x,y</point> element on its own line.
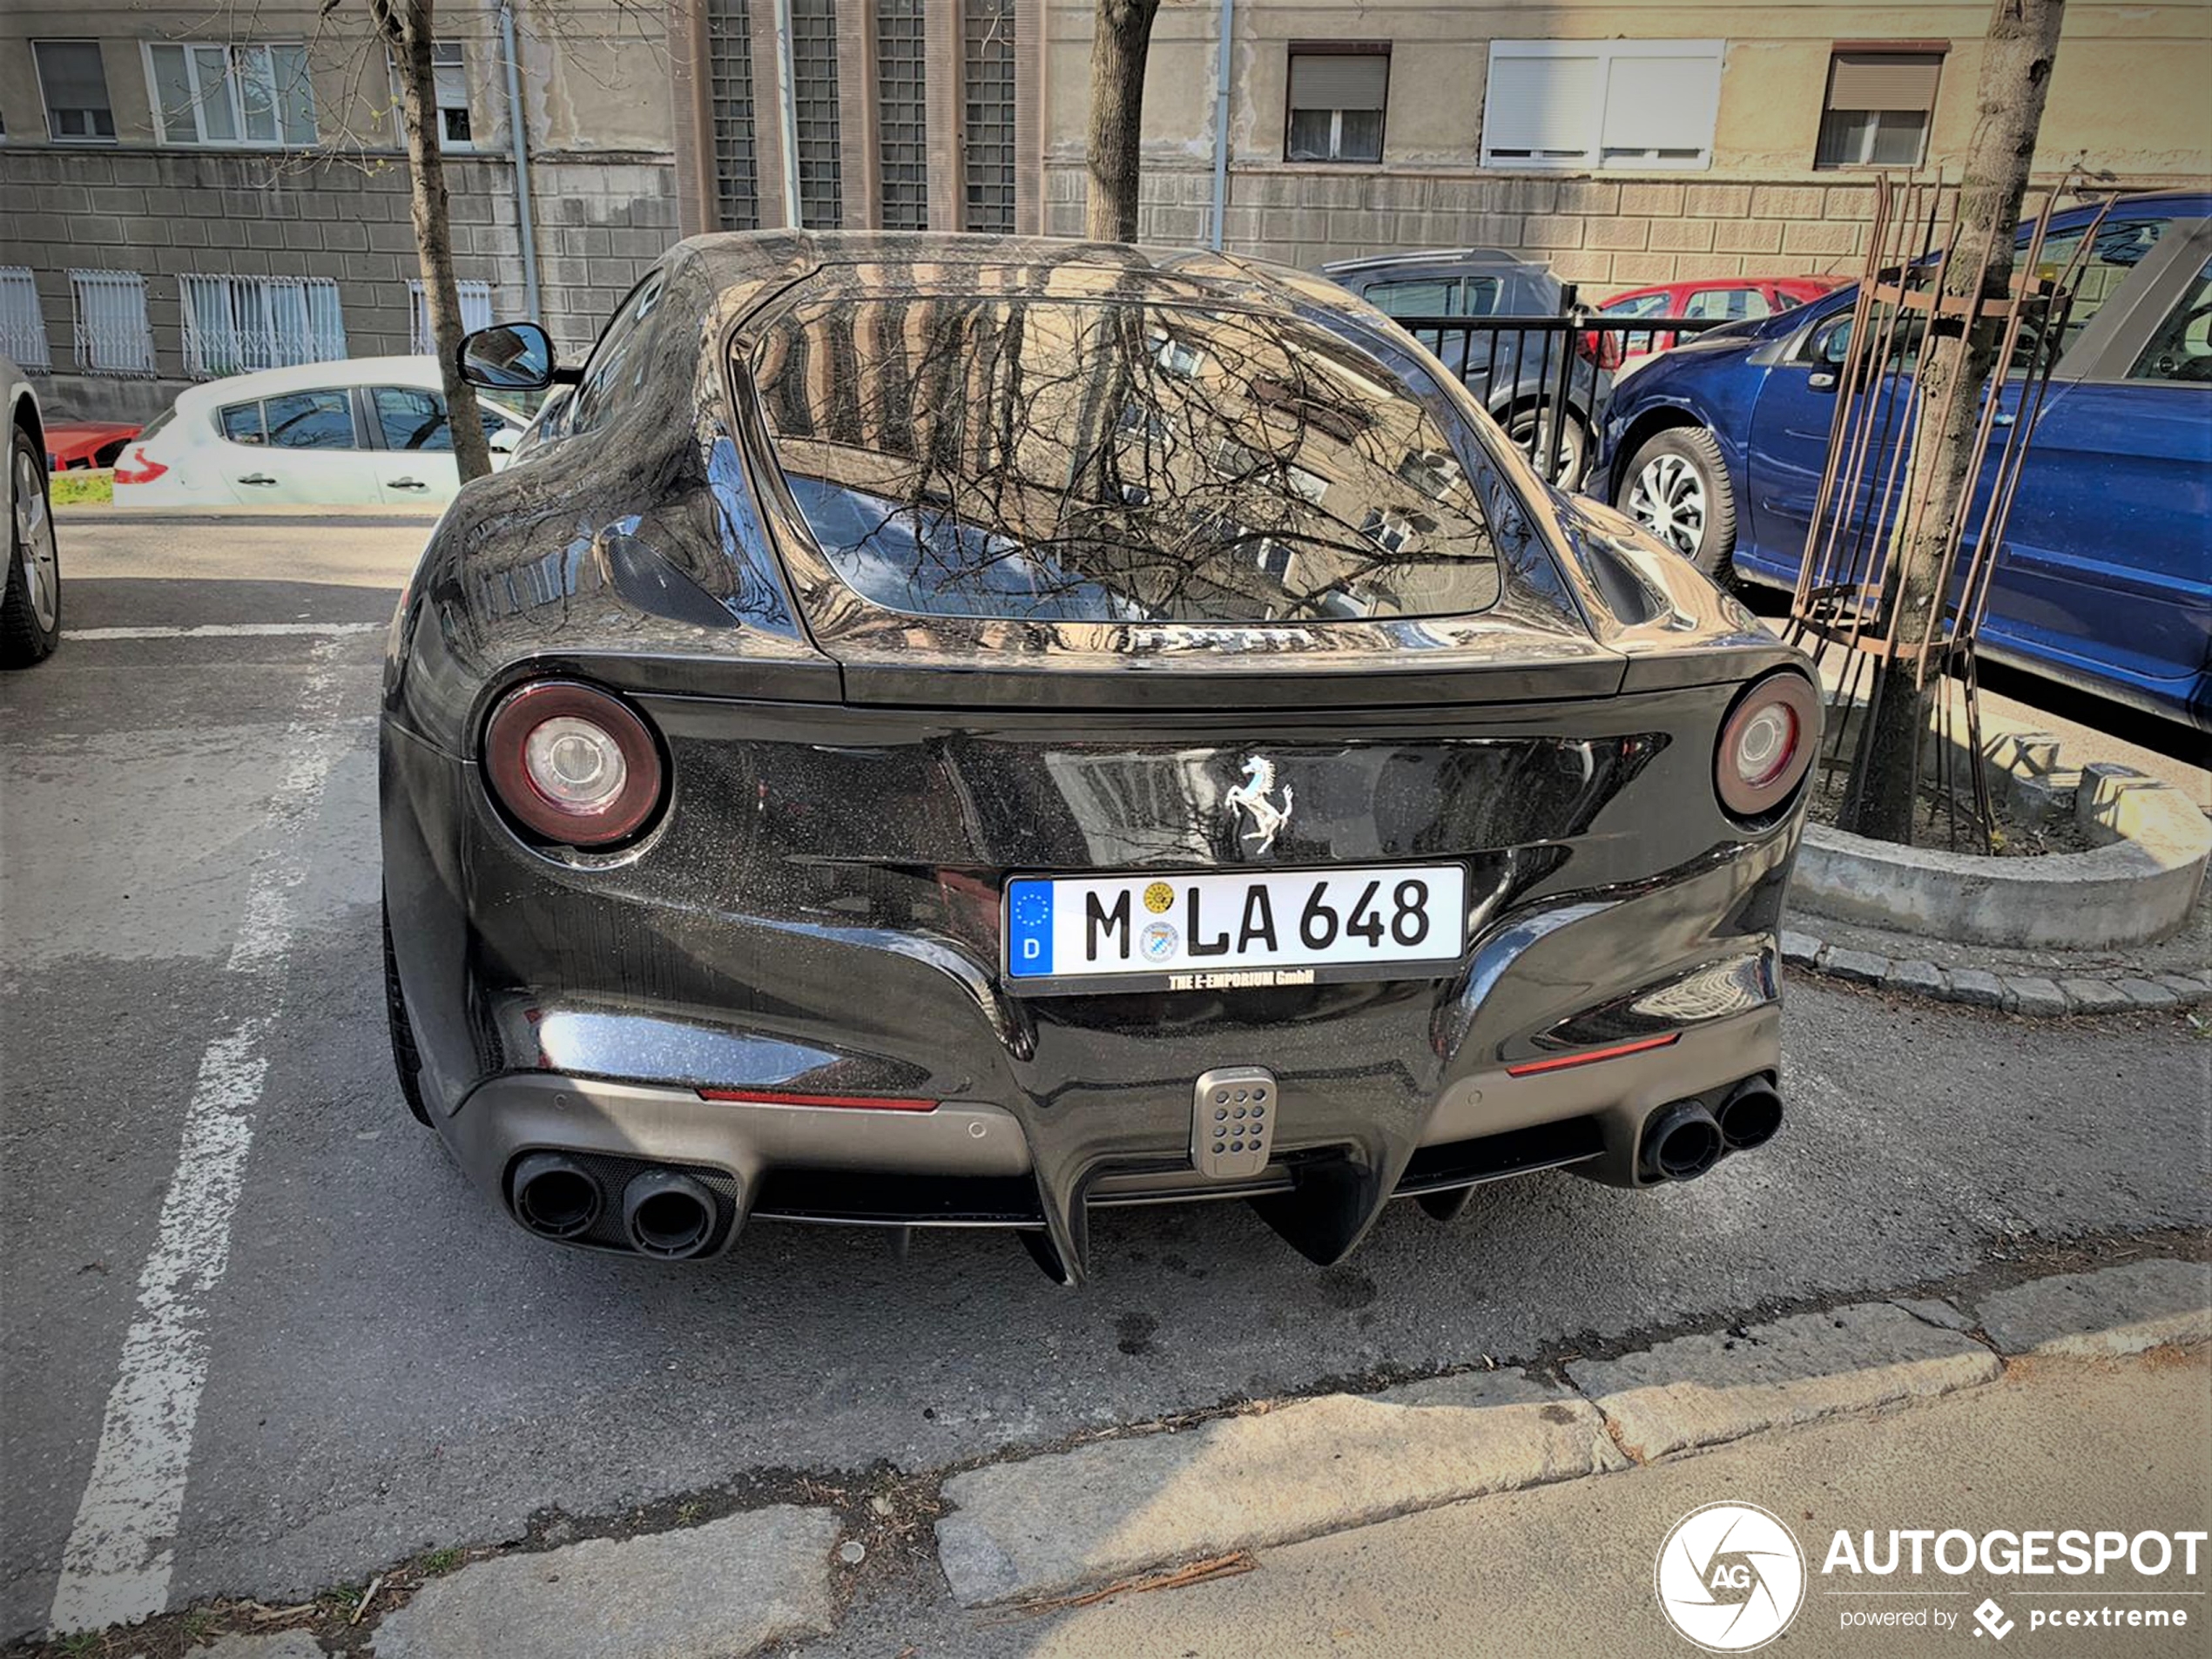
<point>191,187</point>
<point>1621,143</point>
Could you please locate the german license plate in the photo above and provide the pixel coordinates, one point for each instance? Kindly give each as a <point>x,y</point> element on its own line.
<point>1234,929</point>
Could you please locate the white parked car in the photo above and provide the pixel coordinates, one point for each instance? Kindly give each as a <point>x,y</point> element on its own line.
<point>31,583</point>
<point>369,429</point>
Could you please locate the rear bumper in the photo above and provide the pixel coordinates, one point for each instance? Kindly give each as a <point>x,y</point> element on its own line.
<point>970,1163</point>
<point>1043,1159</point>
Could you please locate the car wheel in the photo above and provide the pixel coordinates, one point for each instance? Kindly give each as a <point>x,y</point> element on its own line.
<point>31,604</point>
<point>406,1059</point>
<point>1572,454</point>
<point>1676,486</point>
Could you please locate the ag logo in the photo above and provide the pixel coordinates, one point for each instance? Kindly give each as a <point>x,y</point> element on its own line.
<point>1729,1577</point>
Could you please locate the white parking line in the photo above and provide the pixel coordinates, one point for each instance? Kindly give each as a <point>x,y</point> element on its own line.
<point>121,1553</point>
<point>228,630</point>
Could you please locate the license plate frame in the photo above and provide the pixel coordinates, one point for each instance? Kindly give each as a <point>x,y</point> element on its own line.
<point>1340,887</point>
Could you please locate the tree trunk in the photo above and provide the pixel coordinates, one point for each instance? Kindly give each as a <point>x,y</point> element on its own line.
<point>1956,362</point>
<point>409,28</point>
<point>1121,38</point>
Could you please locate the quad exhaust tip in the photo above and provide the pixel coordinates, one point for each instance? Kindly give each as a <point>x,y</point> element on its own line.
<point>1750,1116</point>
<point>1681,1142</point>
<point>553,1197</point>
<point>667,1214</point>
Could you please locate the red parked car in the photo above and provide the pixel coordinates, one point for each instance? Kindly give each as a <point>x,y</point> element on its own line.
<point>1720,299</point>
<point>86,444</point>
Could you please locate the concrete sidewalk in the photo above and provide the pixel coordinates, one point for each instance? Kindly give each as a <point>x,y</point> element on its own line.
<point>1504,1511</point>
<point>1566,1571</point>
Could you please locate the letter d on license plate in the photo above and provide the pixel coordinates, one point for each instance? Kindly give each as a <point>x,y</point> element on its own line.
<point>1234,929</point>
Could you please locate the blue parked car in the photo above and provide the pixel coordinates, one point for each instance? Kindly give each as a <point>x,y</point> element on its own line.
<point>2106,579</point>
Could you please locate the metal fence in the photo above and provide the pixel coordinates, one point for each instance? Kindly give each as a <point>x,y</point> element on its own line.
<point>1544,379</point>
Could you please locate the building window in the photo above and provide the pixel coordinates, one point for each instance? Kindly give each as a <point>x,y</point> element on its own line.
<point>814,91</point>
<point>901,126</point>
<point>23,325</point>
<point>729,70</point>
<point>1879,105</point>
<point>449,75</point>
<point>234,323</point>
<point>1593,104</point>
<point>74,84</point>
<point>111,335</point>
<point>241,95</point>
<point>988,89</point>
<point>1335,103</point>
<point>475,311</point>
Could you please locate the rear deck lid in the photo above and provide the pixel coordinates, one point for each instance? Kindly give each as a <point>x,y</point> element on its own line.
<point>1095,489</point>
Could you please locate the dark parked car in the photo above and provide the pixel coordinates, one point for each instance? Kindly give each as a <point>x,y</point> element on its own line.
<point>2106,577</point>
<point>953,731</point>
<point>1514,373</point>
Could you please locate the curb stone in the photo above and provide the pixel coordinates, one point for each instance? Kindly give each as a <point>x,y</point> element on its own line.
<point>1259,1479</point>
<point>2031,994</point>
<point>730,1585</point>
<point>1934,1311</point>
<point>289,1644</point>
<point>1700,1390</point>
<point>2114,1311</point>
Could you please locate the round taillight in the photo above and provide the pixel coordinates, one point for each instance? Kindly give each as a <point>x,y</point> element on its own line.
<point>575,764</point>
<point>1766,745</point>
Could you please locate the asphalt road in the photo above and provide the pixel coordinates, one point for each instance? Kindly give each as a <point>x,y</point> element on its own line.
<point>372,1361</point>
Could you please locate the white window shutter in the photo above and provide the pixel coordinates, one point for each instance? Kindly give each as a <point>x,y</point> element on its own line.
<point>1543,107</point>
<point>1655,103</point>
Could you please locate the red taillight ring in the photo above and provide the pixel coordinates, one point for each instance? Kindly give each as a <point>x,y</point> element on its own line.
<point>507,736</point>
<point>1788,695</point>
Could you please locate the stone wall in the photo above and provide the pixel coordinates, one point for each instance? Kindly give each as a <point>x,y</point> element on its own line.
<point>169,213</point>
<point>1604,234</point>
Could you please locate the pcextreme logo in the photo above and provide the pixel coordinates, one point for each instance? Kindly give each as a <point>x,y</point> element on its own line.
<point>1729,1577</point>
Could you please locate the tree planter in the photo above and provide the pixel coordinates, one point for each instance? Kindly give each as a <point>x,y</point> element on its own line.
<point>2137,887</point>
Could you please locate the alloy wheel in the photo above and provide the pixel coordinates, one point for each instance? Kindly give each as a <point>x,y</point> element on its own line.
<point>35,536</point>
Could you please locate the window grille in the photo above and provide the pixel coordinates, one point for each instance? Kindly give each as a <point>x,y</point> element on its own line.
<point>475,311</point>
<point>112,335</point>
<point>23,325</point>
<point>901,120</point>
<point>233,324</point>
<point>813,63</point>
<point>737,162</point>
<point>989,140</point>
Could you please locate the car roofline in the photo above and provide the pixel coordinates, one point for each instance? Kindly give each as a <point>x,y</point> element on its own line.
<point>1428,255</point>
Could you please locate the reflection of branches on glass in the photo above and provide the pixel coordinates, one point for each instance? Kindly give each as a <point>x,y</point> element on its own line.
<point>1056,451</point>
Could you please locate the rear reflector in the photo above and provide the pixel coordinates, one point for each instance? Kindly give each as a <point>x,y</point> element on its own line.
<point>863,1103</point>
<point>1591,1056</point>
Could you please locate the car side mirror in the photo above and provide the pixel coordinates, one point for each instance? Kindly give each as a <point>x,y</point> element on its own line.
<point>508,357</point>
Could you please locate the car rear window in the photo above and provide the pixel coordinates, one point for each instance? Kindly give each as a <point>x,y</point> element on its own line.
<point>1064,460</point>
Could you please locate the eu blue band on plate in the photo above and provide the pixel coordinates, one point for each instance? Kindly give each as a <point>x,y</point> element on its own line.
<point>1029,928</point>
